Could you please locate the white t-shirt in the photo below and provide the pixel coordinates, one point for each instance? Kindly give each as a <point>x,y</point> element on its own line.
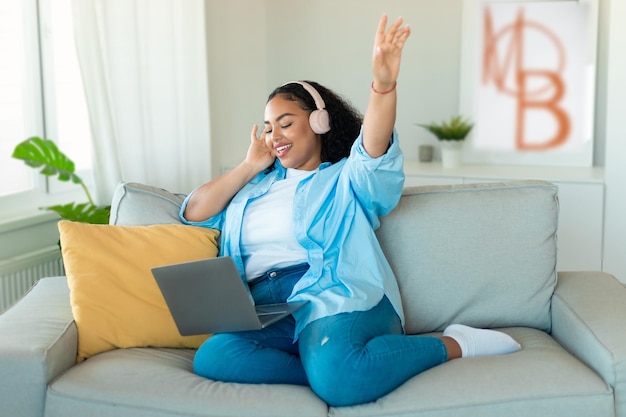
<point>267,237</point>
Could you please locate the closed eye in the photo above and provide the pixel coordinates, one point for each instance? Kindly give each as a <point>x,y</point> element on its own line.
<point>268,131</point>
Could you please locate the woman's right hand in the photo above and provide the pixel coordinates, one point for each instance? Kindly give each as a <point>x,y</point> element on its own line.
<point>259,155</point>
<point>212,197</point>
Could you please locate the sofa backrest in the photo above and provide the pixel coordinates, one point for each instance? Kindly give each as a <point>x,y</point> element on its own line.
<point>135,204</point>
<point>480,254</point>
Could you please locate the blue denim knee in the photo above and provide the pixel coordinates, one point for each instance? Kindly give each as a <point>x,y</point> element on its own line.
<point>354,358</point>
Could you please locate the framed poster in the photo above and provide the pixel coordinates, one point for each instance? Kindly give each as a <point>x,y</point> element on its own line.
<point>528,70</point>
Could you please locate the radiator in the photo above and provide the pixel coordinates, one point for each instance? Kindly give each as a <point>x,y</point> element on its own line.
<point>19,274</point>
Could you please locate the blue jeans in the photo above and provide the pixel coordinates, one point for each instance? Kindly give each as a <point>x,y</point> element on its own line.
<point>347,359</point>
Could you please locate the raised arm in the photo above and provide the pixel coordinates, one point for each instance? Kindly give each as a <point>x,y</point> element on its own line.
<point>380,115</point>
<point>212,197</point>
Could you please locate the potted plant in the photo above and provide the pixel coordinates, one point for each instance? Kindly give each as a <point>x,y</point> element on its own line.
<point>43,153</point>
<point>451,134</point>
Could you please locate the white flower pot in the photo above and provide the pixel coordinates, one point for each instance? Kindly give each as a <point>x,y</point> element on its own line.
<point>451,153</point>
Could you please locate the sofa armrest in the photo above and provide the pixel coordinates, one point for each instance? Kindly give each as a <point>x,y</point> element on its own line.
<point>588,316</point>
<point>38,341</point>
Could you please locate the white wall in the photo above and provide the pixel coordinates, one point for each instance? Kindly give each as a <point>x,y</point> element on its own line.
<point>236,32</point>
<point>615,170</point>
<point>256,45</point>
<point>330,41</point>
<point>259,45</point>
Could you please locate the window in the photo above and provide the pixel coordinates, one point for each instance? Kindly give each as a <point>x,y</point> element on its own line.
<point>20,109</point>
<point>41,94</point>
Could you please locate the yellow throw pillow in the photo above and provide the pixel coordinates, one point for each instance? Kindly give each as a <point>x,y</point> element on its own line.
<point>115,300</point>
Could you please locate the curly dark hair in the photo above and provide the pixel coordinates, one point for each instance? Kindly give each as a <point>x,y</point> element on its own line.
<point>345,120</point>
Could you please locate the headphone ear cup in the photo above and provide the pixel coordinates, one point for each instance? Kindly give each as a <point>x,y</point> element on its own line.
<point>320,121</point>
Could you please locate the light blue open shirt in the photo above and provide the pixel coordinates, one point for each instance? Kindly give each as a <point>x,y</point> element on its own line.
<point>336,211</point>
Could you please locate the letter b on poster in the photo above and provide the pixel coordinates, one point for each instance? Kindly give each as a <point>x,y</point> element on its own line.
<point>528,77</point>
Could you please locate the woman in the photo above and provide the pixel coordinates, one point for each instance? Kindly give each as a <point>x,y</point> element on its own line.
<point>298,216</point>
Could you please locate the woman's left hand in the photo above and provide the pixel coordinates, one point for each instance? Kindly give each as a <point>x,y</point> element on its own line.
<point>388,45</point>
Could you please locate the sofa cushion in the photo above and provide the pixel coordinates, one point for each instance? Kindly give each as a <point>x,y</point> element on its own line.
<point>115,300</point>
<point>135,204</point>
<point>161,383</point>
<point>483,255</point>
<point>543,379</point>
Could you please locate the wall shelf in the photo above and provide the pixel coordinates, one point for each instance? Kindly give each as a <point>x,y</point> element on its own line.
<point>593,175</point>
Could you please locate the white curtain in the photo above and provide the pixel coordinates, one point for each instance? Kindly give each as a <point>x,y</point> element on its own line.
<point>144,69</point>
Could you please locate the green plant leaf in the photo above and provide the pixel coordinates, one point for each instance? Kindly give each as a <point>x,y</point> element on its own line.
<point>43,153</point>
<point>82,212</point>
<point>37,152</point>
<point>457,128</point>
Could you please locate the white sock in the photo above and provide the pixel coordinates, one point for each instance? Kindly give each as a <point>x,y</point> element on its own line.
<point>481,342</point>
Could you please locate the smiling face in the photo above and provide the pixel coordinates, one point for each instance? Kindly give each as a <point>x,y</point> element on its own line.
<point>289,134</point>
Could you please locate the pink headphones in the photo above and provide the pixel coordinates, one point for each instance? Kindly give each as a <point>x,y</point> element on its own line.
<point>319,119</point>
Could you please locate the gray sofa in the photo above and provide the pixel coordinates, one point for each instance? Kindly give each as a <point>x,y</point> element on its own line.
<point>483,255</point>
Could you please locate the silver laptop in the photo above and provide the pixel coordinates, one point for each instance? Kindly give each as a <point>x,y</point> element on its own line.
<point>209,296</point>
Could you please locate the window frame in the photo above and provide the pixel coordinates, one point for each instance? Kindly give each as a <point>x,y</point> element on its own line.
<point>41,113</point>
